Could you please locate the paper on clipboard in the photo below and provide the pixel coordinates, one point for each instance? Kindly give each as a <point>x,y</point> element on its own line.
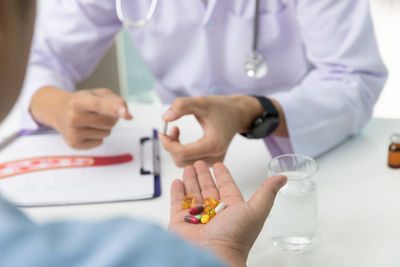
<point>54,180</point>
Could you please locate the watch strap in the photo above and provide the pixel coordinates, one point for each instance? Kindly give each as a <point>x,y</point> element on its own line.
<point>267,105</point>
<point>266,123</point>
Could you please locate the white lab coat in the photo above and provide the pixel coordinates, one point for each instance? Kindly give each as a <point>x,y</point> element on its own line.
<point>324,65</point>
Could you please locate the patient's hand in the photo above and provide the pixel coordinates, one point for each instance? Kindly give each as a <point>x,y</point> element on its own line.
<point>233,231</point>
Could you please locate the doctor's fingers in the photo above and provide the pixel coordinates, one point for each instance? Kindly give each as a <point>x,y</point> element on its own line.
<point>186,106</point>
<point>81,138</point>
<point>110,105</point>
<point>88,144</point>
<point>107,93</point>
<point>175,133</point>
<point>81,119</point>
<point>204,147</point>
<point>210,161</point>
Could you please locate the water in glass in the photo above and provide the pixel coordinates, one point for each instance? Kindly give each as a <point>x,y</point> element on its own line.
<point>293,219</point>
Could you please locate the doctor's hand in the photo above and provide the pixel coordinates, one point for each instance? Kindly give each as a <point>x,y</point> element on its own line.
<point>221,117</point>
<point>232,232</point>
<point>84,118</point>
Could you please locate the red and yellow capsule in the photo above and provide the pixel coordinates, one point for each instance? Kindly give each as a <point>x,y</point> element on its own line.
<point>196,210</point>
<point>191,219</point>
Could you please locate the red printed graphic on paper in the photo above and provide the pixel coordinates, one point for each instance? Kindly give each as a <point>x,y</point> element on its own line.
<point>23,166</point>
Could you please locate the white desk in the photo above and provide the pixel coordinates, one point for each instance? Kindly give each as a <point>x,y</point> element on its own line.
<point>359,197</point>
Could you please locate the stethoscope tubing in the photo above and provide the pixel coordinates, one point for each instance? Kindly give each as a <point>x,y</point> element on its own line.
<point>256,25</point>
<point>141,23</point>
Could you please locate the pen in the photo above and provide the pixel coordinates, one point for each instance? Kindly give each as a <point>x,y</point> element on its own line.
<point>9,139</point>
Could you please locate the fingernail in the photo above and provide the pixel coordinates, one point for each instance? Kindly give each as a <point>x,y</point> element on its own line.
<point>122,112</point>
<point>168,115</point>
<point>129,116</point>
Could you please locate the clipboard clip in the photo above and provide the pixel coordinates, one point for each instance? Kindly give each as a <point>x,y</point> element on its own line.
<point>156,156</point>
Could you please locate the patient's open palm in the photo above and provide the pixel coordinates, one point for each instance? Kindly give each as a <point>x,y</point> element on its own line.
<point>234,229</point>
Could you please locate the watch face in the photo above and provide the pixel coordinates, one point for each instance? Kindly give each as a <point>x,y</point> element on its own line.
<point>267,123</point>
<point>258,122</point>
<point>263,127</point>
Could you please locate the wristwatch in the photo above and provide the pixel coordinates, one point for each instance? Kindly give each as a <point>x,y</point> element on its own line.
<point>266,123</point>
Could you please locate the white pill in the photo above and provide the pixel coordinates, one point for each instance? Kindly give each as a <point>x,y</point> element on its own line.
<point>220,207</point>
<point>165,127</point>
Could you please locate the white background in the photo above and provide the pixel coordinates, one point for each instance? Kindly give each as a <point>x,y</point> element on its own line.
<point>386,15</point>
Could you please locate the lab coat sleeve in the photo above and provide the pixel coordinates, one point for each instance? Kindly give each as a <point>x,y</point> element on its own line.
<point>70,38</point>
<point>117,242</point>
<point>336,99</point>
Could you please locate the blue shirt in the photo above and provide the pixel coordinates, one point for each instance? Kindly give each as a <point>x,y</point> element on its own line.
<point>116,242</point>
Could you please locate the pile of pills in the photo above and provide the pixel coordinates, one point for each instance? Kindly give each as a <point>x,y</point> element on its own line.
<point>210,208</point>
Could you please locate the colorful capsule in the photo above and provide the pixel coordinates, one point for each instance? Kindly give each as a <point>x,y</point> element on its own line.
<point>196,210</point>
<point>198,216</point>
<point>207,201</point>
<point>188,202</point>
<point>215,204</point>
<point>220,207</point>
<point>207,208</point>
<point>211,202</point>
<point>191,219</point>
<point>212,213</point>
<point>185,206</point>
<point>205,218</point>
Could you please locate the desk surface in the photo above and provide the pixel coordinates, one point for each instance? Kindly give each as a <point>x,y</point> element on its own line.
<point>359,197</point>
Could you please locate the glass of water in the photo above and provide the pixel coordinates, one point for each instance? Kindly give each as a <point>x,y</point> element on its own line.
<point>293,218</point>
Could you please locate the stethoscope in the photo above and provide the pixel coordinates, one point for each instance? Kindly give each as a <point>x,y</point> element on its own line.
<point>254,65</point>
<point>141,23</point>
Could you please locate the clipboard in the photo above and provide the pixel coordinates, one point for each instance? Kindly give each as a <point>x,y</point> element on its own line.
<point>155,146</point>
<point>46,172</point>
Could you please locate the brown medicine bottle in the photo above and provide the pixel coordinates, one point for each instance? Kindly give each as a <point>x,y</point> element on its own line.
<point>394,152</point>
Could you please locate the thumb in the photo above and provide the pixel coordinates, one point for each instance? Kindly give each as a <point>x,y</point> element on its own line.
<point>117,102</point>
<point>183,106</point>
<point>167,141</point>
<point>262,200</point>
<point>104,104</point>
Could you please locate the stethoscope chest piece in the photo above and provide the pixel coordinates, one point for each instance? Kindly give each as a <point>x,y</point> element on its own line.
<point>255,65</point>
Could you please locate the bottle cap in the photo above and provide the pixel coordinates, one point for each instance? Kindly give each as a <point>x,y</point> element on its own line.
<point>395,138</point>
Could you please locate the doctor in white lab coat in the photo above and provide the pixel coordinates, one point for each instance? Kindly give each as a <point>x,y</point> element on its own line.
<point>325,73</point>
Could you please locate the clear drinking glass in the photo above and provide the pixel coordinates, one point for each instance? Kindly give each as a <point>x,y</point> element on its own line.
<point>293,218</point>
